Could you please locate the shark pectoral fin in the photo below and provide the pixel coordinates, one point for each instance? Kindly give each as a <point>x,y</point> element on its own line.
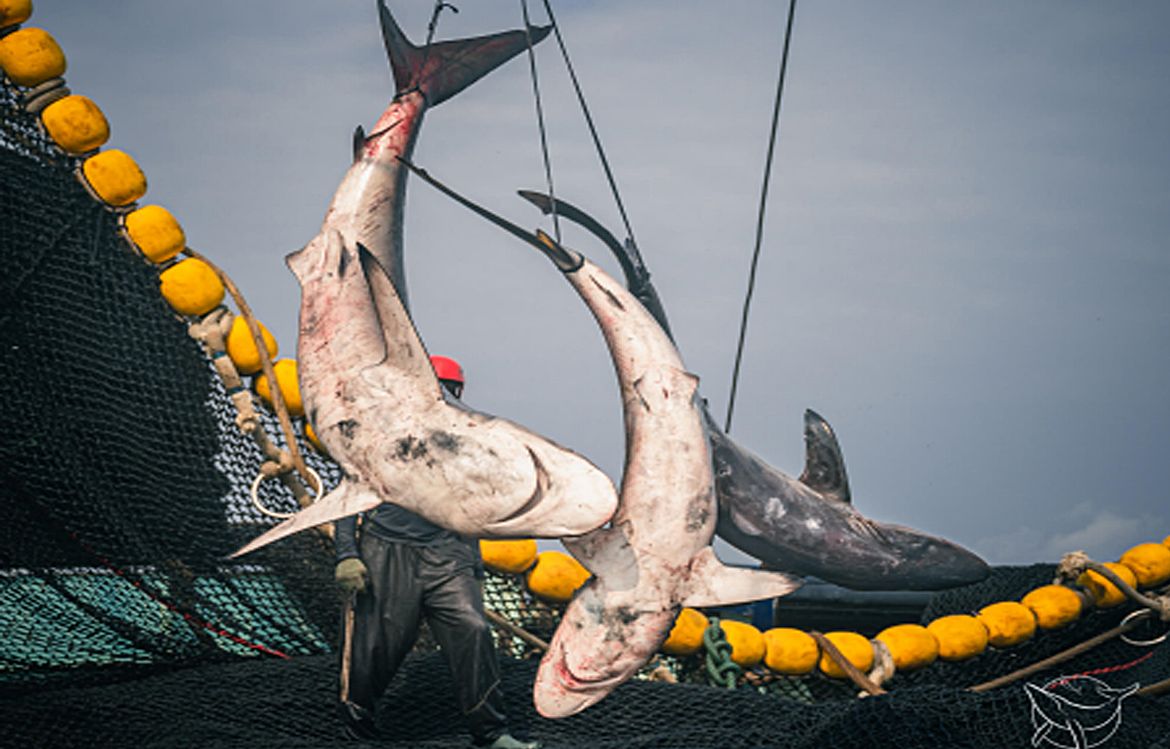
<point>712,583</point>
<point>405,354</point>
<point>349,498</point>
<point>607,554</point>
<point>824,467</point>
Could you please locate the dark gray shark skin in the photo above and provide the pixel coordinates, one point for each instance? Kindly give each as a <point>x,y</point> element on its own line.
<point>806,526</point>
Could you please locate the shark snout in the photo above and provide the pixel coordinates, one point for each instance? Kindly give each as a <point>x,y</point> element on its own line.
<point>559,692</point>
<point>598,646</point>
<point>927,562</point>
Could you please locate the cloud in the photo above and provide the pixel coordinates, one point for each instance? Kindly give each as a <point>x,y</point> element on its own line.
<point>1101,533</point>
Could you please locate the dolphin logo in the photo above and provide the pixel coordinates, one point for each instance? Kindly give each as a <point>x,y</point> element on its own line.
<point>808,525</point>
<point>1076,712</point>
<point>365,376</point>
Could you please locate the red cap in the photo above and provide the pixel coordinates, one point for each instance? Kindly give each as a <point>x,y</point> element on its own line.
<point>447,369</point>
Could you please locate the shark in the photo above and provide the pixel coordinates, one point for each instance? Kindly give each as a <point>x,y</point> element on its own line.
<point>805,525</point>
<point>655,556</point>
<point>366,381</point>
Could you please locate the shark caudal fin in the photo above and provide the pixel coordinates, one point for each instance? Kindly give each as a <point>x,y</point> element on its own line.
<point>445,68</point>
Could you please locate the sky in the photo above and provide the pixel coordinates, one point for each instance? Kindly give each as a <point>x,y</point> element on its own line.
<point>964,268</point>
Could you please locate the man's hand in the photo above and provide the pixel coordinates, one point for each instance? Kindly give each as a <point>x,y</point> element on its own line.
<point>351,574</point>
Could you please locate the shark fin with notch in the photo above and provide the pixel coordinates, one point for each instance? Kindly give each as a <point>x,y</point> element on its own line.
<point>443,69</point>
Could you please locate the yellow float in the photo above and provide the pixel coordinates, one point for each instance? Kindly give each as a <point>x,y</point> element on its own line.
<point>1105,593</point>
<point>856,649</point>
<point>155,232</point>
<point>241,346</point>
<point>13,12</point>
<point>959,636</point>
<point>510,557</point>
<point>114,177</point>
<point>790,651</point>
<point>911,646</point>
<point>1150,564</point>
<point>30,57</point>
<point>1054,606</point>
<point>1008,623</point>
<point>686,637</point>
<point>556,576</point>
<point>76,124</point>
<point>290,386</point>
<point>747,643</point>
<point>191,287</point>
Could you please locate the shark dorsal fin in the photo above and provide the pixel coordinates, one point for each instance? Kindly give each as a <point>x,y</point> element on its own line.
<point>824,466</point>
<point>405,352</point>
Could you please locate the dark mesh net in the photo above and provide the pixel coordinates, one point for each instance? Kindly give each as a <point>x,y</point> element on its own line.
<point>124,485</point>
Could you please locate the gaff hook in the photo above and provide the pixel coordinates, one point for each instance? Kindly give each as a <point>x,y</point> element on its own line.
<point>434,24</point>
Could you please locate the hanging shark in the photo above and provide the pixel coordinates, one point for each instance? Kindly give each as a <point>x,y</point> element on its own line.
<point>655,556</point>
<point>805,525</point>
<point>365,377</point>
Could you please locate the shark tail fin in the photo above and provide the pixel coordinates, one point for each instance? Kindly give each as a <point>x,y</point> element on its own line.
<point>445,68</point>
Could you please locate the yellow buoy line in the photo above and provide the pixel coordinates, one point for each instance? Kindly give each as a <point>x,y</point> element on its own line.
<point>554,576</point>
<point>239,346</point>
<point>195,288</point>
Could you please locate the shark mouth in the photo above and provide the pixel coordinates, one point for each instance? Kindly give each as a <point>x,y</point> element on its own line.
<point>573,681</point>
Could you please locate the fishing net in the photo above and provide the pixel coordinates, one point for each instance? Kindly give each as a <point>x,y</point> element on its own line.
<point>124,484</point>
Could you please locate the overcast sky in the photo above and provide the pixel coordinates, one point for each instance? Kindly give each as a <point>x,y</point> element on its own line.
<point>965,266</point>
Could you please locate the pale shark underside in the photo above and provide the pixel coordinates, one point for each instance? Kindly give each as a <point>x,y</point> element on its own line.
<point>656,556</point>
<point>366,380</point>
<point>807,526</point>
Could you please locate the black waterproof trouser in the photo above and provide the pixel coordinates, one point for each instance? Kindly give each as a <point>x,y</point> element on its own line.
<point>439,582</point>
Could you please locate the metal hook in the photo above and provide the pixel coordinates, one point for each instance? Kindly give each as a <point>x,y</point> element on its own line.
<point>1141,614</point>
<point>434,24</point>
<point>260,476</point>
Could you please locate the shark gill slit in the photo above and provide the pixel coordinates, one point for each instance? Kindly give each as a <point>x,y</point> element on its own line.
<point>609,295</point>
<point>537,492</point>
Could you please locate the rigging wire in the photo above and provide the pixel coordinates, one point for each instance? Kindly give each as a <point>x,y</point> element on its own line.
<point>433,26</point>
<point>589,121</point>
<point>747,302</point>
<point>540,121</point>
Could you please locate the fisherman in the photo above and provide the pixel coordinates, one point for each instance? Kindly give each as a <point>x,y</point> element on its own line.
<point>399,569</point>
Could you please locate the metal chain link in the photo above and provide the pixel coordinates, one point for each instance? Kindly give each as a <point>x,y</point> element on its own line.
<point>721,670</point>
